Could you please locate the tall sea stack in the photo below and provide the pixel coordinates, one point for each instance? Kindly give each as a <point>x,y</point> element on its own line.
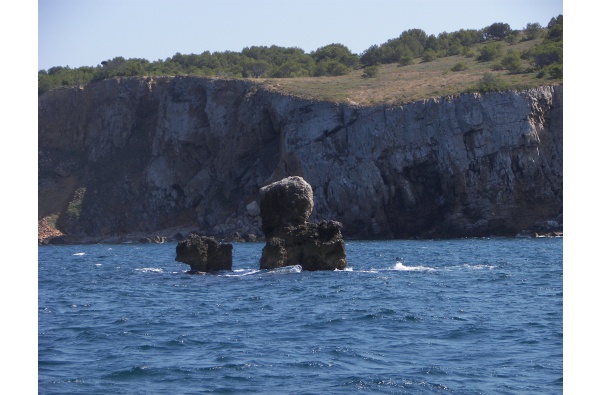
<point>285,207</point>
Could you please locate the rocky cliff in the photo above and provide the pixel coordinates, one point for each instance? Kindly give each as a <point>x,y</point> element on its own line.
<point>161,154</point>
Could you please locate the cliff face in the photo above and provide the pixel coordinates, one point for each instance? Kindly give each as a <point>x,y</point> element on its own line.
<point>148,154</point>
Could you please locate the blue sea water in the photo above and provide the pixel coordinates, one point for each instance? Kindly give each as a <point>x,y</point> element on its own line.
<point>469,316</point>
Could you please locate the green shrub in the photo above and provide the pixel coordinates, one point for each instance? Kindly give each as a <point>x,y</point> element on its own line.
<point>468,52</point>
<point>490,83</point>
<point>512,62</point>
<point>460,66</point>
<point>547,52</point>
<point>406,60</point>
<point>556,70</point>
<point>329,67</point>
<point>74,208</point>
<point>497,31</point>
<point>370,72</point>
<point>552,71</point>
<point>512,39</point>
<point>428,55</point>
<point>490,52</point>
<point>533,31</point>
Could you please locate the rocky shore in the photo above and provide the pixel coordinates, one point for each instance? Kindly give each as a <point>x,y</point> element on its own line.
<point>47,232</point>
<point>47,235</point>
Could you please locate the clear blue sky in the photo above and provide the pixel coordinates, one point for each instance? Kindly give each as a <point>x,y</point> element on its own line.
<point>79,33</point>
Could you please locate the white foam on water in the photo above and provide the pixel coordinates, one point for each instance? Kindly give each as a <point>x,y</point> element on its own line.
<point>478,267</point>
<point>401,267</point>
<point>79,254</point>
<point>150,270</point>
<point>242,272</point>
<point>350,269</point>
<point>286,269</point>
<point>466,266</point>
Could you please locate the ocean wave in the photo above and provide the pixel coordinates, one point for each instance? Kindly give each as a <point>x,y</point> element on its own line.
<point>476,267</point>
<point>249,272</point>
<point>136,371</point>
<point>286,269</point>
<point>351,269</point>
<point>79,254</point>
<point>400,266</point>
<point>242,272</point>
<point>150,270</point>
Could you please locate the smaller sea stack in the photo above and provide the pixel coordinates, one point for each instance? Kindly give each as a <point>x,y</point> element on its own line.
<point>204,254</point>
<point>285,207</point>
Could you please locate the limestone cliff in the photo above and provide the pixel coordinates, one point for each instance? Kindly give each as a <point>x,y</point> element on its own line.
<point>143,155</point>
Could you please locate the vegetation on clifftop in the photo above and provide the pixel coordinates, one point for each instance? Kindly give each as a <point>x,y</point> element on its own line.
<point>410,67</point>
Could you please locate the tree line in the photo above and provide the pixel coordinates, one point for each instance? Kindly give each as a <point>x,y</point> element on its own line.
<point>334,59</point>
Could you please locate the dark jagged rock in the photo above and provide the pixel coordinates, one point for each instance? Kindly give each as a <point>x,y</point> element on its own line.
<point>285,208</point>
<point>58,240</point>
<point>204,254</point>
<point>250,237</point>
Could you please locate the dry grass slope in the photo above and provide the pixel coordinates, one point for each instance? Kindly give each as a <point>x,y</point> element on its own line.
<point>396,84</point>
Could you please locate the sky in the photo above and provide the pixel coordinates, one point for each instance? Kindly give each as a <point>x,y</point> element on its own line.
<point>79,33</point>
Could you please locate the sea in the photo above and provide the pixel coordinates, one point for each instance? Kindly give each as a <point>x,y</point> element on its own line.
<point>464,316</point>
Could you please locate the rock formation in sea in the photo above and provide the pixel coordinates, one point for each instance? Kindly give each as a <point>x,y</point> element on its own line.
<point>285,207</point>
<point>155,155</point>
<point>204,254</point>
